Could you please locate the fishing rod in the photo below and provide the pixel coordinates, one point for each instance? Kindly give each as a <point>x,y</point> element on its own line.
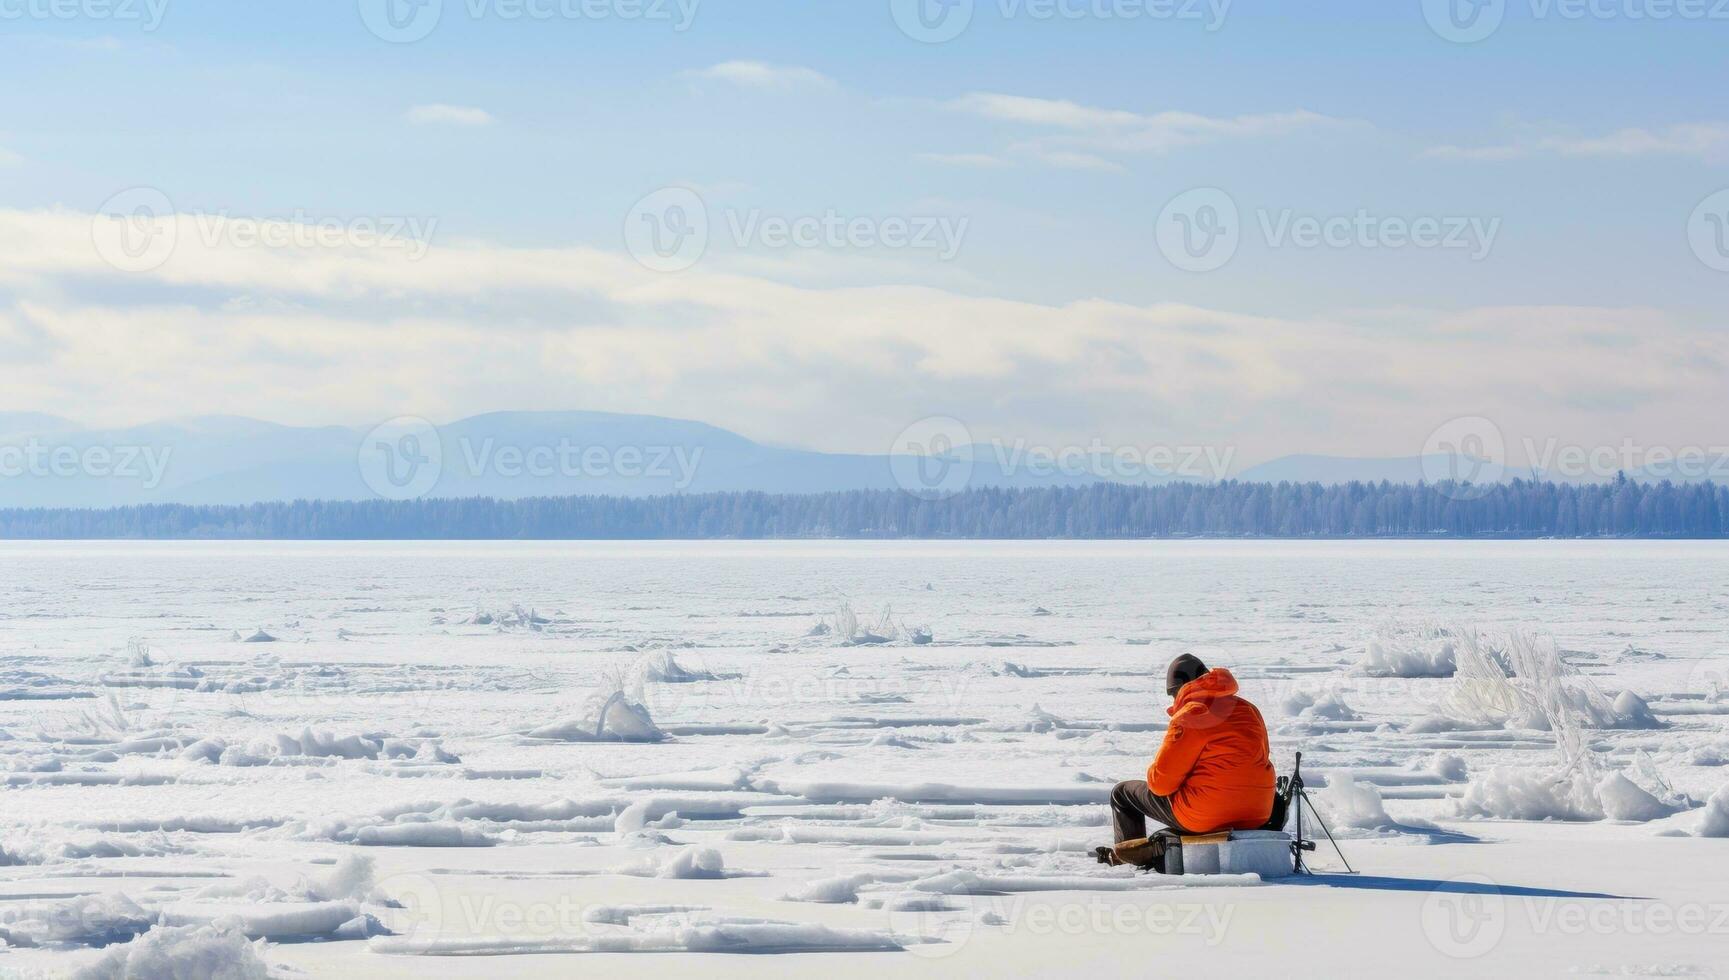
<point>1291,787</point>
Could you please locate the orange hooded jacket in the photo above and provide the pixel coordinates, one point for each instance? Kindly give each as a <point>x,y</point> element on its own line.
<point>1213,763</point>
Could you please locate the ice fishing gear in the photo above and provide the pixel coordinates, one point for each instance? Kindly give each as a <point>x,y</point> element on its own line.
<point>1291,796</point>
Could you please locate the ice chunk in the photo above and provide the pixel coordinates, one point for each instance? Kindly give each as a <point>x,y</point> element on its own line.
<point>837,890</point>
<point>1409,651</point>
<point>1622,799</point>
<point>88,920</point>
<point>1716,822</point>
<point>1449,766</point>
<point>1353,805</point>
<point>172,953</point>
<point>612,717</point>
<point>264,920</point>
<point>1632,712</point>
<point>695,863</point>
<point>1531,794</point>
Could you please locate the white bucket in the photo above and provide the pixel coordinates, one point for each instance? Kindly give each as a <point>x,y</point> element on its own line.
<point>1263,852</point>
<point>1201,859</point>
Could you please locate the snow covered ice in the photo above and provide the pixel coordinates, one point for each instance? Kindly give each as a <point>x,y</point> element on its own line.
<point>529,759</point>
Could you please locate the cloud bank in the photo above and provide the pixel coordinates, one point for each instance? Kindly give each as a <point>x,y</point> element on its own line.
<point>367,331</point>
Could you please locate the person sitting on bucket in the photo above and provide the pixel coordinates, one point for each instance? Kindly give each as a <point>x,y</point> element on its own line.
<point>1212,772</point>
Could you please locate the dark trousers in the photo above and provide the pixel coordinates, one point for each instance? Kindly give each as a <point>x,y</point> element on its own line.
<point>1132,802</point>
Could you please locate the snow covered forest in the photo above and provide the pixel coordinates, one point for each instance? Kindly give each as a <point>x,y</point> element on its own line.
<point>1517,509</point>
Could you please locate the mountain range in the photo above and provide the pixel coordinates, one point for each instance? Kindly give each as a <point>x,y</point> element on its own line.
<point>48,461</point>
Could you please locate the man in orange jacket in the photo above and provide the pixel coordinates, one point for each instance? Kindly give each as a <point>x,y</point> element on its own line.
<point>1212,772</point>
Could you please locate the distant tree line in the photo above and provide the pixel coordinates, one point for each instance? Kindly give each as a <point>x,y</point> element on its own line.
<point>1519,509</point>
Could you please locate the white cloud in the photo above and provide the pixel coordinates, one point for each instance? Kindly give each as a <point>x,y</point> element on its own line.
<point>472,327</point>
<point>1083,134</point>
<point>757,74</point>
<point>1702,139</point>
<point>439,114</point>
<point>1071,159</point>
<point>1154,132</point>
<point>1042,112</point>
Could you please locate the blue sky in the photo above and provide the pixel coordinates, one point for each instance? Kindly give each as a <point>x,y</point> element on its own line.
<point>1584,143</point>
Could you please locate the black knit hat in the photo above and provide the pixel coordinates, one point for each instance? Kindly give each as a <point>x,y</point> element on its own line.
<point>1181,671</point>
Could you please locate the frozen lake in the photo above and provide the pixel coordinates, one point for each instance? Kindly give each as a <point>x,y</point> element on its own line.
<point>400,775</point>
